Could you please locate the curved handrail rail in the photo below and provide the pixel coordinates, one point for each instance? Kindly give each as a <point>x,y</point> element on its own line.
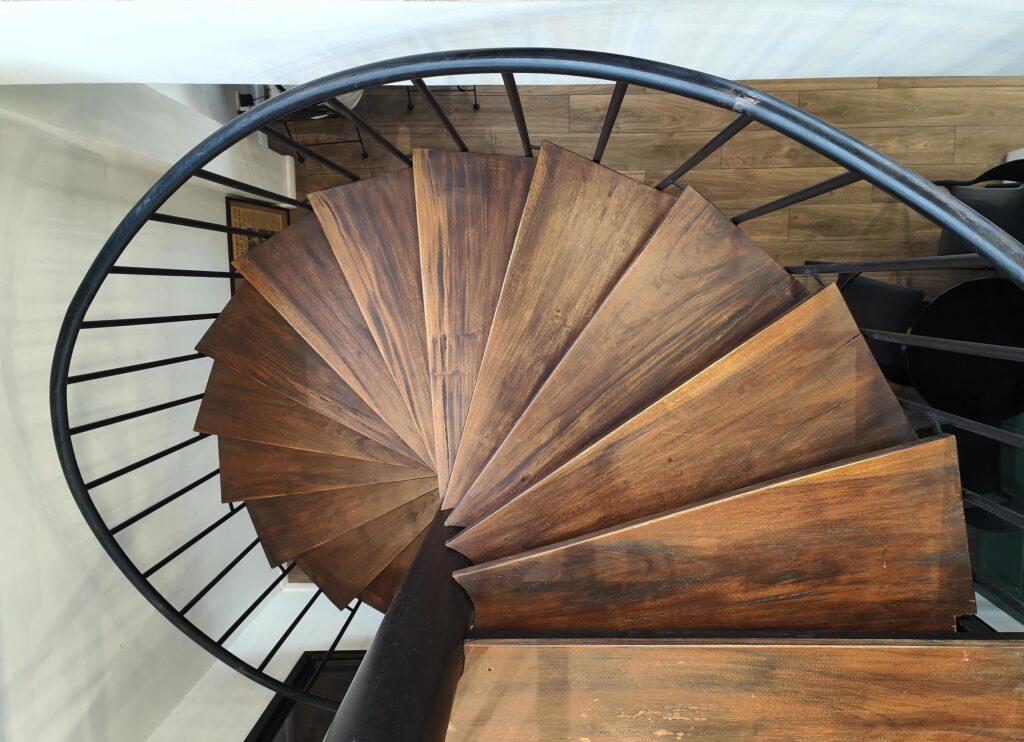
<point>1005,253</point>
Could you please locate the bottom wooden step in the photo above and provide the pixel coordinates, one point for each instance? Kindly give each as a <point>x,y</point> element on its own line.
<point>534,691</point>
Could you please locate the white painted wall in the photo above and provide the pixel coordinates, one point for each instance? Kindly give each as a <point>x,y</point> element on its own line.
<point>82,655</point>
<point>238,41</point>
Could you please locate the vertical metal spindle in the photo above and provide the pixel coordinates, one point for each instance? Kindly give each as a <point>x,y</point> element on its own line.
<point>442,117</point>
<point>517,112</point>
<point>738,125</point>
<point>609,119</point>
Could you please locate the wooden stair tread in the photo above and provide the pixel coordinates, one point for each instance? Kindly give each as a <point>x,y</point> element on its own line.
<point>381,591</point>
<point>289,526</point>
<point>345,565</point>
<point>239,407</point>
<point>876,543</point>
<point>698,289</point>
<point>468,208</point>
<point>520,691</point>
<point>252,470</point>
<point>297,272</point>
<point>253,339</point>
<point>803,392</point>
<point>371,226</point>
<point>581,227</point>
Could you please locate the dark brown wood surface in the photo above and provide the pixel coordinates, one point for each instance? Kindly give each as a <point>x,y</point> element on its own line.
<point>249,470</point>
<point>254,340</point>
<point>581,227</point>
<point>628,691</point>
<point>877,543</point>
<point>698,289</point>
<point>297,272</point>
<point>345,565</point>
<point>239,407</point>
<point>289,526</point>
<point>382,590</point>
<point>468,208</point>
<point>371,225</point>
<point>803,392</point>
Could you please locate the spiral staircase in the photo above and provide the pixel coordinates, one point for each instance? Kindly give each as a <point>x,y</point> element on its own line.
<point>641,480</point>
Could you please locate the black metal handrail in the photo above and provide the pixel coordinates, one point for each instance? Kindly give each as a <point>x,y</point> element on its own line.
<point>993,247</point>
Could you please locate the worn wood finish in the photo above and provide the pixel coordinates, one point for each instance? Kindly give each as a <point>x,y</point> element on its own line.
<point>371,226</point>
<point>626,691</point>
<point>289,526</point>
<point>468,208</point>
<point>988,106</point>
<point>345,565</point>
<point>581,227</point>
<point>697,290</point>
<point>877,543</point>
<point>253,339</point>
<point>239,407</point>
<point>803,392</point>
<point>297,272</point>
<point>251,470</point>
<point>384,587</point>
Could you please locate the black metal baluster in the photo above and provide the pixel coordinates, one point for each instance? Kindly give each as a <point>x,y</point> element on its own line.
<point>738,125</point>
<point>361,125</point>
<point>245,187</point>
<point>804,194</point>
<point>248,611</point>
<point>161,503</point>
<point>131,270</point>
<point>983,350</point>
<point>190,543</point>
<point>287,632</point>
<point>218,577</point>
<point>1014,517</point>
<point>931,262</point>
<point>334,645</point>
<point>182,221</point>
<point>131,415</point>
<point>273,133</point>
<point>609,119</point>
<point>131,321</point>
<point>142,462</point>
<point>517,111</point>
<point>106,373</point>
<point>973,426</point>
<point>442,117</point>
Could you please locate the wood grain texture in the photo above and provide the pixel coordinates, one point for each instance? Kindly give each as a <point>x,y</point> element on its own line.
<point>876,543</point>
<point>384,587</point>
<point>988,106</point>
<point>298,273</point>
<point>803,392</point>
<point>468,209</point>
<point>254,340</point>
<point>289,526</point>
<point>371,226</point>
<point>239,407</point>
<point>252,470</point>
<point>697,290</point>
<point>581,227</point>
<point>345,565</point>
<point>730,690</point>
<point>652,113</point>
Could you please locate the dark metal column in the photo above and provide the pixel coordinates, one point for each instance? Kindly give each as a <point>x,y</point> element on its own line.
<point>405,686</point>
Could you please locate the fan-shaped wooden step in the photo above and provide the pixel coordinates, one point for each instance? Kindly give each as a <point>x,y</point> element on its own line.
<point>371,225</point>
<point>297,272</point>
<point>468,209</point>
<point>345,565</point>
<point>543,691</point>
<point>251,470</point>
<point>238,407</point>
<point>384,587</point>
<point>697,290</point>
<point>803,392</point>
<point>876,543</point>
<point>581,226</point>
<point>250,337</point>
<point>290,525</point>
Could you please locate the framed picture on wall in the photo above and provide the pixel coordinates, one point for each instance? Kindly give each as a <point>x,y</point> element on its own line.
<point>247,214</point>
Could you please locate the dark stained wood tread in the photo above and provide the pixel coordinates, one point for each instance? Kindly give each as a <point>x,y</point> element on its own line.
<point>803,392</point>
<point>253,339</point>
<point>239,407</point>
<point>520,691</point>
<point>581,227</point>
<point>468,208</point>
<point>382,590</point>
<point>289,526</point>
<point>698,289</point>
<point>876,543</point>
<point>251,470</point>
<point>297,272</point>
<point>371,226</point>
<point>344,566</point>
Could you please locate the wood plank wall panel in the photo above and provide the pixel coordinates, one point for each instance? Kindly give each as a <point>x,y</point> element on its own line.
<point>893,690</point>
<point>934,121</point>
